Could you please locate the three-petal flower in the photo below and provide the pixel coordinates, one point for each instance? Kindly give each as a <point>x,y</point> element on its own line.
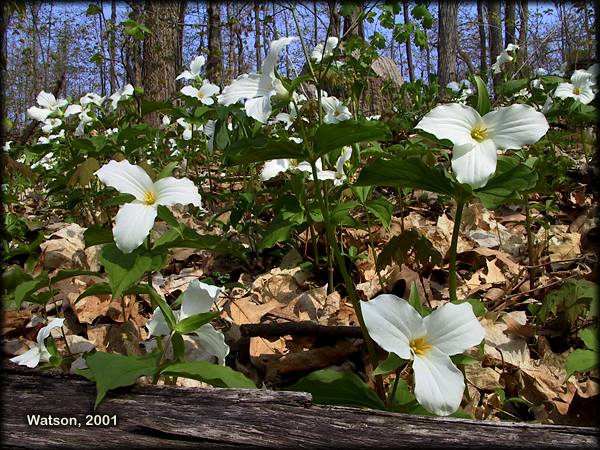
<point>204,94</point>
<point>580,88</point>
<point>49,104</point>
<point>135,220</point>
<point>476,139</point>
<point>38,353</point>
<point>429,342</point>
<point>195,67</point>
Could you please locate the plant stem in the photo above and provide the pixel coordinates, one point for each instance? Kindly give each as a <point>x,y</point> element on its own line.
<point>394,387</point>
<point>452,274</point>
<point>530,245</point>
<point>332,242</point>
<point>372,245</point>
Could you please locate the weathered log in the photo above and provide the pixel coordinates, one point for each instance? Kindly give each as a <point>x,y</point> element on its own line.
<point>168,417</point>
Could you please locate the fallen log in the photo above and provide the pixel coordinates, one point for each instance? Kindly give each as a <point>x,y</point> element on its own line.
<point>151,416</point>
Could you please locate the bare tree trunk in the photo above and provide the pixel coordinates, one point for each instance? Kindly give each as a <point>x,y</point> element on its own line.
<point>353,23</point>
<point>257,44</point>
<point>34,46</point>
<point>483,66</point>
<point>162,52</point>
<point>316,22</point>
<point>524,16</point>
<point>133,49</point>
<point>231,44</point>
<point>214,65</point>
<point>112,45</point>
<point>509,22</point>
<point>335,24</point>
<point>409,60</point>
<point>448,42</point>
<point>495,33</point>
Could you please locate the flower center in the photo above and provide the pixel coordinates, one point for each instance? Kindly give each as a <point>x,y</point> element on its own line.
<point>149,198</point>
<point>419,346</point>
<point>294,163</point>
<point>577,91</point>
<point>479,134</point>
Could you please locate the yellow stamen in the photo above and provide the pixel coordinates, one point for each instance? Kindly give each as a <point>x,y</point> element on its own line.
<point>576,91</point>
<point>294,162</point>
<point>419,346</point>
<point>149,198</point>
<point>479,134</point>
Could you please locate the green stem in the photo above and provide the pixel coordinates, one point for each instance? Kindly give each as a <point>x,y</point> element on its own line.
<point>372,245</point>
<point>332,242</point>
<point>452,275</point>
<point>394,387</point>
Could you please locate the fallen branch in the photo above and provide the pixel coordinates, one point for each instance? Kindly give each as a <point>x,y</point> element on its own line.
<point>303,328</point>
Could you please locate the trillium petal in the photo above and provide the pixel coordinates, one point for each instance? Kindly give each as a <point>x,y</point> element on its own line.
<point>39,114</point>
<point>274,167</point>
<point>245,86</point>
<point>439,385</point>
<point>392,323</point>
<point>73,109</point>
<point>197,64</point>
<point>126,178</point>
<point>132,225</point>
<point>198,298</point>
<point>586,95</point>
<point>453,121</point>
<point>273,55</point>
<point>474,164</point>
<point>30,358</point>
<point>344,157</point>
<point>452,329</point>
<point>186,75</point>
<point>45,332</point>
<point>259,108</point>
<point>209,89</point>
<point>580,78</point>
<point>47,100</point>
<point>514,126</point>
<point>170,191</point>
<point>212,342</point>
<point>157,325</point>
<point>564,90</point>
<point>190,91</point>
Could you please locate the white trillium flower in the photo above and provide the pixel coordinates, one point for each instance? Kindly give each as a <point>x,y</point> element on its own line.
<point>38,353</point>
<point>257,89</point>
<point>188,128</point>
<point>209,131</point>
<point>195,67</point>
<point>276,166</point>
<point>321,51</point>
<point>560,71</point>
<point>50,139</point>
<point>50,125</point>
<point>338,175</point>
<point>504,57</point>
<point>120,95</point>
<point>91,98</point>
<point>547,104</point>
<point>197,299</point>
<point>429,342</point>
<point>204,94</point>
<point>48,104</point>
<point>6,146</point>
<point>335,110</point>
<point>580,87</point>
<point>476,139</point>
<point>541,72</point>
<point>135,220</point>
<point>84,119</point>
<point>454,87</point>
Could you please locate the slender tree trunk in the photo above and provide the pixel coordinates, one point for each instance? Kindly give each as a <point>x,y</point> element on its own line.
<point>4,23</point>
<point>34,47</point>
<point>316,22</point>
<point>354,23</point>
<point>524,16</point>
<point>231,74</point>
<point>448,42</point>
<point>409,60</point>
<point>483,66</point>
<point>214,64</point>
<point>509,22</point>
<point>133,49</point>
<point>162,52</point>
<point>335,24</point>
<point>112,45</point>
<point>257,44</point>
<point>102,53</point>
<point>495,33</point>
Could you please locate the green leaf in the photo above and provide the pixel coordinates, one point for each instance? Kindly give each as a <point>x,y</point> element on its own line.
<point>167,171</point>
<point>188,238</point>
<point>84,172</point>
<point>68,273</point>
<point>391,363</point>
<point>330,136</point>
<point>483,98</point>
<point>331,387</point>
<point>119,199</point>
<point>362,192</point>
<point>479,308</point>
<point>178,346</point>
<point>93,9</point>
<point>403,396</point>
<point>463,360</point>
<point>382,209</point>
<point>164,213</point>
<point>589,338</point>
<point>126,269</point>
<point>414,300</point>
<point>213,374</point>
<point>95,289</point>
<point>409,173</point>
<point>26,288</point>
<point>572,300</point>
<point>341,214</point>
<point>152,106</point>
<point>192,323</point>
<point>510,179</point>
<point>112,371</point>
<point>262,149</point>
<point>97,234</point>
<point>278,231</point>
<point>581,361</point>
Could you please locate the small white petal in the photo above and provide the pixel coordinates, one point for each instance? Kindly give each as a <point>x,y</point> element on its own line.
<point>197,64</point>
<point>198,298</point>
<point>259,108</point>
<point>126,178</point>
<point>439,385</point>
<point>245,86</point>
<point>274,167</point>
<point>209,89</point>
<point>39,114</point>
<point>186,75</point>
<point>171,191</point>
<point>73,109</point>
<point>213,342</point>
<point>392,323</point>
<point>474,164</point>
<point>453,121</point>
<point>190,91</point>
<point>452,329</point>
<point>30,358</point>
<point>273,55</point>
<point>45,332</point>
<point>514,126</point>
<point>132,225</point>
<point>157,325</point>
<point>47,100</point>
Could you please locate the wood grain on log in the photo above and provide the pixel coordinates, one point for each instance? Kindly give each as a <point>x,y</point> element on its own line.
<point>168,417</point>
